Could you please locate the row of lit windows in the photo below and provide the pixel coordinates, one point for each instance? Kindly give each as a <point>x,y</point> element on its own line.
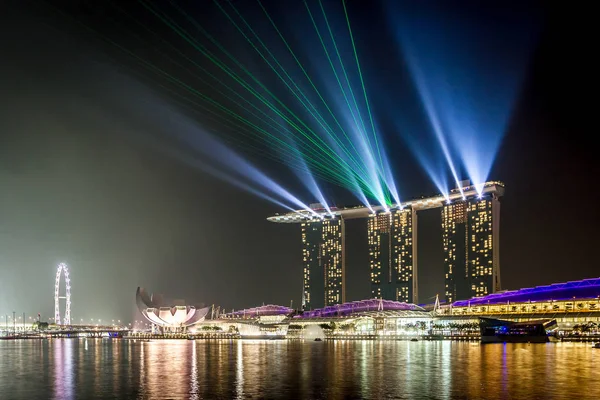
<point>533,307</point>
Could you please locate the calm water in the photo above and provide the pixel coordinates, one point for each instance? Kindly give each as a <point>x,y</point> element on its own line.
<point>121,369</point>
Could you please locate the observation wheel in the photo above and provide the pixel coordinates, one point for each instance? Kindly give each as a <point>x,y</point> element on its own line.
<point>62,268</point>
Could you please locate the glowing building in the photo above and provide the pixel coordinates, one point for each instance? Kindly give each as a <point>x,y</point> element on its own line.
<point>174,316</point>
<point>392,239</point>
<point>470,238</point>
<point>323,261</point>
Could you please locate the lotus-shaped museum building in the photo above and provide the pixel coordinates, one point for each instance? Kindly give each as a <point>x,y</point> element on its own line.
<point>168,316</point>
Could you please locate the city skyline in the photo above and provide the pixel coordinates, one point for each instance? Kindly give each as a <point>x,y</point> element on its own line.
<point>81,187</point>
<point>298,199</point>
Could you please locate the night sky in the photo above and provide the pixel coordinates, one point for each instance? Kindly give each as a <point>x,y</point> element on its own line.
<point>85,178</point>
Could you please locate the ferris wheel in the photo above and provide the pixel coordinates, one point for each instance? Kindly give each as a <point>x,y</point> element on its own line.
<point>62,268</point>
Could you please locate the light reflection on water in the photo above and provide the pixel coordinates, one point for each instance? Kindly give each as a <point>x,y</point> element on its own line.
<point>104,368</point>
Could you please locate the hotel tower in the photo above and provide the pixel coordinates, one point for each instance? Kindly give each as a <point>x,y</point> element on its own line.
<point>323,262</point>
<point>392,239</point>
<point>470,240</point>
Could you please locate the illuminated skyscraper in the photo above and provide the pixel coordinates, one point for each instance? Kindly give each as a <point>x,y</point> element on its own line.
<point>323,261</point>
<point>470,237</point>
<point>483,245</point>
<point>454,242</point>
<point>392,255</point>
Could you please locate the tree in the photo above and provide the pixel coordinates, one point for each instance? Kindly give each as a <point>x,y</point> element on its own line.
<point>233,329</point>
<point>40,326</point>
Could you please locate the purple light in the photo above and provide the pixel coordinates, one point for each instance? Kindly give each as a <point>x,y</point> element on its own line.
<point>360,306</point>
<point>269,309</point>
<point>587,288</point>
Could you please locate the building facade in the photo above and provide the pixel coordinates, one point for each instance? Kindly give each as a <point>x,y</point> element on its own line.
<point>470,239</point>
<point>323,263</point>
<point>392,255</point>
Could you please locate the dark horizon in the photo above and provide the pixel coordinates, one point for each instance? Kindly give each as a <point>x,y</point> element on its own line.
<point>85,179</point>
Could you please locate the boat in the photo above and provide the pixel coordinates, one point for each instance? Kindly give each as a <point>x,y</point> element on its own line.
<point>414,339</point>
<point>596,345</point>
<point>318,339</point>
<point>500,331</point>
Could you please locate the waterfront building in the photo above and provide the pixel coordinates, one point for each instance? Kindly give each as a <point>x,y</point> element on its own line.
<point>392,255</point>
<point>470,239</point>
<point>174,316</point>
<point>323,262</point>
<point>268,310</point>
<point>573,306</point>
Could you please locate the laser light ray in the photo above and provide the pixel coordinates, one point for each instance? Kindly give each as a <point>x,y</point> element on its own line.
<point>374,175</point>
<point>363,199</point>
<point>430,109</point>
<point>187,141</point>
<point>309,181</point>
<point>345,160</point>
<point>203,143</point>
<point>198,164</point>
<point>339,147</point>
<point>467,73</point>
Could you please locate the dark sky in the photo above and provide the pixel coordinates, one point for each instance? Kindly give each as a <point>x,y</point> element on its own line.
<point>80,184</point>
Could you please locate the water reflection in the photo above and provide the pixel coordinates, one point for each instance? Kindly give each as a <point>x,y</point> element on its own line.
<point>97,368</point>
<point>62,352</point>
<point>239,384</point>
<point>167,368</point>
<point>194,374</point>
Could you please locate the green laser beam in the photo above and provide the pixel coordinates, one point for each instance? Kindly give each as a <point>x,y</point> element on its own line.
<point>362,82</point>
<point>320,167</point>
<point>363,131</point>
<point>312,110</point>
<point>181,84</point>
<point>257,37</point>
<point>181,32</point>
<point>188,38</point>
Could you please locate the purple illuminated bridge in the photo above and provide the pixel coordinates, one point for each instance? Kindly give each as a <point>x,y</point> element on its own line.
<point>584,289</point>
<point>261,311</point>
<point>341,310</point>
